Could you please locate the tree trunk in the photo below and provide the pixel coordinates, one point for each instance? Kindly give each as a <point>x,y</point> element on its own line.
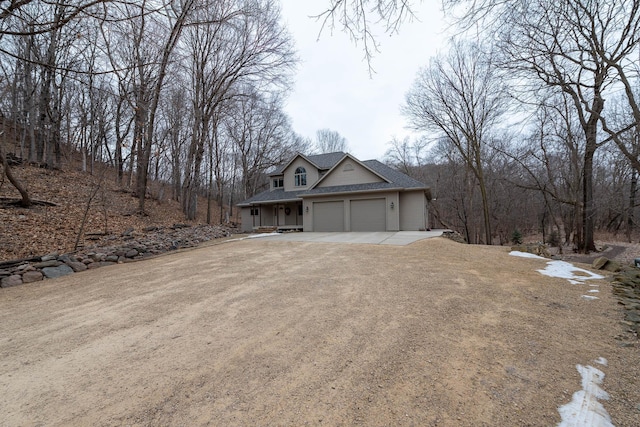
<point>26,200</point>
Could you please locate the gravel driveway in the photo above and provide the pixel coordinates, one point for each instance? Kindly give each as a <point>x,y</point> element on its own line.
<point>259,332</point>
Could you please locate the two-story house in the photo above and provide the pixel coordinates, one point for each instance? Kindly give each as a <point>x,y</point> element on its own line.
<point>337,192</point>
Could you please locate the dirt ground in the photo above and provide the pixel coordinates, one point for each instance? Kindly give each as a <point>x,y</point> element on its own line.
<point>269,333</point>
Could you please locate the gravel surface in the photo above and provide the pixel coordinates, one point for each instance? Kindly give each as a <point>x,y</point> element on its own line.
<point>266,333</point>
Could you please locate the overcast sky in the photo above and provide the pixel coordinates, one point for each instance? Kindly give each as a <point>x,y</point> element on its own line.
<point>333,88</point>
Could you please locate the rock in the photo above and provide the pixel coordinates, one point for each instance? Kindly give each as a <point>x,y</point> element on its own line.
<point>50,263</point>
<point>53,272</point>
<point>4,273</point>
<point>100,264</point>
<point>77,266</point>
<point>612,266</point>
<point>599,263</point>
<point>87,261</point>
<point>13,280</point>
<point>97,256</point>
<point>31,276</point>
<point>65,258</point>
<point>127,232</point>
<point>111,258</point>
<point>49,257</point>
<point>131,253</point>
<point>152,228</point>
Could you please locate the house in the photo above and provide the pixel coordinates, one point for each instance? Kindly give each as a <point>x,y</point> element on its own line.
<point>337,192</point>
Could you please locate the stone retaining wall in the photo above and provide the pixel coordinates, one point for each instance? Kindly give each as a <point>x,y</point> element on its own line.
<point>128,246</point>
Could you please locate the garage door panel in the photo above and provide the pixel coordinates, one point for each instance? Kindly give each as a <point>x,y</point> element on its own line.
<point>368,215</point>
<point>328,216</point>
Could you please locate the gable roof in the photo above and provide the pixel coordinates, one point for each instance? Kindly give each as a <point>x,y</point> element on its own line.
<point>394,180</point>
<point>320,161</point>
<point>394,175</point>
<point>345,156</point>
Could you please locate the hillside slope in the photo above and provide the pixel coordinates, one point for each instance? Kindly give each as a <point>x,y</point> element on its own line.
<point>112,211</point>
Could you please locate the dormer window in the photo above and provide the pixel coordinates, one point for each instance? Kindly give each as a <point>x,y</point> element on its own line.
<point>300,177</point>
<point>278,183</point>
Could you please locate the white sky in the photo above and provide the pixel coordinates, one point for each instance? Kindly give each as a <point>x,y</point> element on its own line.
<point>333,88</point>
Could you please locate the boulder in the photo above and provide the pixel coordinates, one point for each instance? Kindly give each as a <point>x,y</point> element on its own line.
<point>77,266</point>
<point>599,263</point>
<point>613,266</point>
<point>32,276</point>
<point>13,280</point>
<point>131,253</point>
<point>49,263</point>
<point>53,272</point>
<point>49,257</point>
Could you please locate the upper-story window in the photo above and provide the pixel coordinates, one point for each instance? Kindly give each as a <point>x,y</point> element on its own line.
<point>278,183</point>
<point>301,177</point>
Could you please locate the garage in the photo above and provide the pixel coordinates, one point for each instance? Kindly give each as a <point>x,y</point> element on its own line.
<point>328,216</point>
<point>368,215</point>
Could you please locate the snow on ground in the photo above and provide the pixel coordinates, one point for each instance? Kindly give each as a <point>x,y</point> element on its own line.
<point>255,236</point>
<point>584,408</point>
<point>565,270</point>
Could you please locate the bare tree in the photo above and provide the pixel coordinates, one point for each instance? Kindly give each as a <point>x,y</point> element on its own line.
<point>461,97</point>
<point>330,141</point>
<point>235,44</point>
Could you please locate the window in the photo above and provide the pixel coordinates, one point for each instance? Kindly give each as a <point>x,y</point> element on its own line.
<point>278,183</point>
<point>255,212</point>
<point>301,177</point>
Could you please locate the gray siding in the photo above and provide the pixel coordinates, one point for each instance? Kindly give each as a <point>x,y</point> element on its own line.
<point>349,172</point>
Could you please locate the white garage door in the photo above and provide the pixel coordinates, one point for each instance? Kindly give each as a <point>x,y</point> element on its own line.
<point>328,216</point>
<point>368,215</point>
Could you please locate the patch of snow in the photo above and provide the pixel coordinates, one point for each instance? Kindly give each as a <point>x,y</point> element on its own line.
<point>525,255</point>
<point>602,361</point>
<point>589,297</point>
<point>255,236</point>
<point>565,270</point>
<point>593,291</point>
<point>584,408</point>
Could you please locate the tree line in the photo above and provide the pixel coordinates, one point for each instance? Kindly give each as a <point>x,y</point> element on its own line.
<point>187,92</point>
<point>529,117</point>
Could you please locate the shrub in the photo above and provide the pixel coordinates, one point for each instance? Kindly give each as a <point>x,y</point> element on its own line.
<point>516,237</point>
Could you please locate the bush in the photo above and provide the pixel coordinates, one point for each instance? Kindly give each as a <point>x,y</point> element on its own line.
<point>516,237</point>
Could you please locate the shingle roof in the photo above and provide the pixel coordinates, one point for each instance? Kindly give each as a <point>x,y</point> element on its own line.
<point>272,196</point>
<point>393,175</point>
<point>321,161</point>
<point>397,180</point>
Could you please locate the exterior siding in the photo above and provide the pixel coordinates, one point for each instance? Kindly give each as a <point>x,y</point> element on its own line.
<point>289,175</point>
<point>348,172</point>
<point>413,207</point>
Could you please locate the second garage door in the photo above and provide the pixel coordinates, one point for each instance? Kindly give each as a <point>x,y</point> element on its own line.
<point>328,216</point>
<point>368,215</point>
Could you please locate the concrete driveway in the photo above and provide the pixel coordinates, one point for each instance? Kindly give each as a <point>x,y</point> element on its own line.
<point>397,238</point>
